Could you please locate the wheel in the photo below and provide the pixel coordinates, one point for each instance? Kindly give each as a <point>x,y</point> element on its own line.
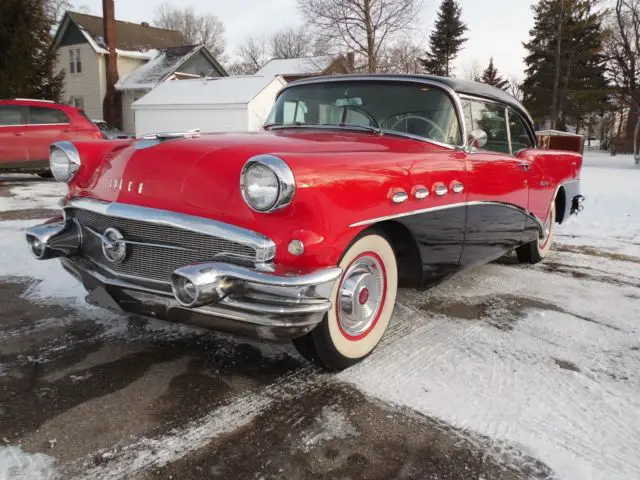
<point>362,304</point>
<point>45,174</point>
<point>536,251</point>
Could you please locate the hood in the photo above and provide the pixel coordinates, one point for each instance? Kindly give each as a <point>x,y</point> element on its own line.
<point>201,176</point>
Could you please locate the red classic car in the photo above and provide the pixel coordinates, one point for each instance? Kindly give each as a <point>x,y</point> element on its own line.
<point>360,184</point>
<point>28,127</point>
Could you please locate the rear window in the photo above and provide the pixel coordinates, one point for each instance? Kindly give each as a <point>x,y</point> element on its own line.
<point>47,116</point>
<point>13,115</point>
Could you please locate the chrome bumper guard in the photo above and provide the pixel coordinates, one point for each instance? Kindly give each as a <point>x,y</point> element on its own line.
<point>216,295</point>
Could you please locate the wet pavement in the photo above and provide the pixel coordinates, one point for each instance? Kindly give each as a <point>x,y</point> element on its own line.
<point>110,396</point>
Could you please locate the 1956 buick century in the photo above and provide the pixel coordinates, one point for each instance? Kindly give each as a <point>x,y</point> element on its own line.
<point>359,184</point>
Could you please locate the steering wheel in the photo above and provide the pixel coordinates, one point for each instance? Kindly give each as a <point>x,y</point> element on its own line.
<point>355,108</point>
<point>412,116</point>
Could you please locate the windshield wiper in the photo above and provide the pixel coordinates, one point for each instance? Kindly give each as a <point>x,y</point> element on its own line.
<point>368,128</point>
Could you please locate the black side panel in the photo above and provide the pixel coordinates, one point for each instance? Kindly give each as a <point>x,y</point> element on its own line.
<point>439,235</point>
<point>493,229</point>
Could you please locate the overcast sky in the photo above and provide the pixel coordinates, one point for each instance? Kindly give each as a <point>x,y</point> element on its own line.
<point>496,27</point>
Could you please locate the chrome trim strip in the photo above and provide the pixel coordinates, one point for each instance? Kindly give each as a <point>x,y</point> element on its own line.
<point>264,246</point>
<point>446,207</point>
<point>407,214</point>
<point>455,97</point>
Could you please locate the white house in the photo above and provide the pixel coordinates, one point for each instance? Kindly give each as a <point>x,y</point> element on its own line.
<point>221,104</point>
<point>82,54</point>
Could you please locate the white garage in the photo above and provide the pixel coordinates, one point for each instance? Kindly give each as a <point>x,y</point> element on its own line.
<point>224,104</point>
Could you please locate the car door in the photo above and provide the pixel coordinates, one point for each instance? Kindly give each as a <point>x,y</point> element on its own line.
<point>47,125</point>
<point>497,186</point>
<point>13,145</point>
<point>437,190</point>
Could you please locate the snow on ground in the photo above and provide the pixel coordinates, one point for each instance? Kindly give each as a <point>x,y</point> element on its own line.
<point>36,195</point>
<point>17,464</point>
<point>611,219</point>
<point>532,357</point>
<point>546,358</point>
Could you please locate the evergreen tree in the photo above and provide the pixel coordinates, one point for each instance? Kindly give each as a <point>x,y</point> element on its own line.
<point>582,87</point>
<point>490,76</point>
<point>446,40</point>
<point>26,58</point>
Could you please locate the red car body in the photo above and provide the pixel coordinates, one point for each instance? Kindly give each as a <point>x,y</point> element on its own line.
<point>440,208</point>
<point>29,127</point>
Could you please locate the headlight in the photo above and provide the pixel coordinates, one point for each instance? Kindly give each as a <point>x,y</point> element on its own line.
<point>64,161</point>
<point>267,183</point>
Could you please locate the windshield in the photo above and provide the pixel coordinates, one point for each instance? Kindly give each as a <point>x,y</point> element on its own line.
<point>392,107</point>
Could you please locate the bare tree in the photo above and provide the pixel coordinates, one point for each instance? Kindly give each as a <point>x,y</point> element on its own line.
<point>206,29</point>
<point>514,88</point>
<point>623,51</point>
<point>291,43</point>
<point>55,9</point>
<point>473,72</point>
<point>253,55</point>
<point>401,57</point>
<point>362,26</point>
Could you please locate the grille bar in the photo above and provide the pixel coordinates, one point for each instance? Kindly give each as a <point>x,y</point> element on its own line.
<point>147,255</point>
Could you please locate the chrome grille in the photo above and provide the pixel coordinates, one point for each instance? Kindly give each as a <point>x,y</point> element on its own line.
<point>153,262</point>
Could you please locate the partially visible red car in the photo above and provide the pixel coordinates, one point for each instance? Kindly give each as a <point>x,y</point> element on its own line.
<point>28,127</point>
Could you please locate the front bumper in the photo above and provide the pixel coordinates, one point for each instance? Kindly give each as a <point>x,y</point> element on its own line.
<point>230,298</point>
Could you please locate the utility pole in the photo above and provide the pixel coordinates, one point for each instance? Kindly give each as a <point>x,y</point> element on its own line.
<point>556,78</point>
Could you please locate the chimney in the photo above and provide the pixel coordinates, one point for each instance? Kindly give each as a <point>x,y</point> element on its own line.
<point>112,103</point>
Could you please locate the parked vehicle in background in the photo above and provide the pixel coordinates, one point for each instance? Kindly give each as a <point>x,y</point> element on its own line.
<point>28,127</point>
<point>360,184</point>
<point>110,132</point>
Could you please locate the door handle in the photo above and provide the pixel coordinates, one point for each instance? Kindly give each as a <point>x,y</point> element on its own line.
<point>66,130</point>
<point>526,166</point>
<point>19,134</point>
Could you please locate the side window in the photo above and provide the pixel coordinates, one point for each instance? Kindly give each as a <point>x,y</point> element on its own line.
<point>72,61</point>
<point>75,64</point>
<point>520,139</point>
<point>490,117</point>
<point>13,115</point>
<point>47,116</point>
<point>77,102</point>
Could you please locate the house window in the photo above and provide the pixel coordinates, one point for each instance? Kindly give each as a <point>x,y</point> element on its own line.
<point>77,102</point>
<point>75,64</point>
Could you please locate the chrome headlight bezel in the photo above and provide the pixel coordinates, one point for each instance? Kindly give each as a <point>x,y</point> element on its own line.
<point>64,172</point>
<point>285,181</point>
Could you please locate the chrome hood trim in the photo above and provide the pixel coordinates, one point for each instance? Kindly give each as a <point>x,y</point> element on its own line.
<point>265,247</point>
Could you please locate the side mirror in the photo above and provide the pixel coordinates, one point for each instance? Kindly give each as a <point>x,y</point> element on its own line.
<point>477,139</point>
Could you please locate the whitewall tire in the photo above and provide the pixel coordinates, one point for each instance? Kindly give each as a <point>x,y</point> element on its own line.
<point>538,250</point>
<point>363,301</point>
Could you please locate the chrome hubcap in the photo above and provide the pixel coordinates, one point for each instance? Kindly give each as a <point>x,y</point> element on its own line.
<point>361,295</point>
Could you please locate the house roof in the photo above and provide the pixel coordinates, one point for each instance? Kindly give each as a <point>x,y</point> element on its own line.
<point>166,62</point>
<point>129,36</point>
<point>214,91</point>
<point>297,66</point>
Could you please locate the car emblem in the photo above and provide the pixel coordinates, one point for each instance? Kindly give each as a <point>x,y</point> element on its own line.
<point>113,248</point>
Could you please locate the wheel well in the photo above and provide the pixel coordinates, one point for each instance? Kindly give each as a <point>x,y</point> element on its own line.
<point>561,205</point>
<point>406,250</point>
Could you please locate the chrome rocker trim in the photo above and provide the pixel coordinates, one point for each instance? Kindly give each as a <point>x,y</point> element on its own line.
<point>228,297</point>
<point>264,247</point>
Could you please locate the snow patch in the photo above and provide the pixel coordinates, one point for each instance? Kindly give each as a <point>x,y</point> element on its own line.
<point>331,424</point>
<point>34,195</point>
<point>16,464</point>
